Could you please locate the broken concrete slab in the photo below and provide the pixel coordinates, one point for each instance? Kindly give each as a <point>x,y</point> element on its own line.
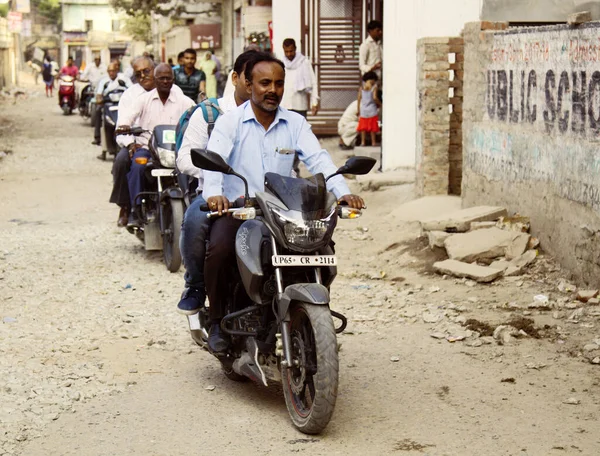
<point>375,181</point>
<point>502,264</point>
<point>475,272</point>
<point>579,18</point>
<point>517,246</point>
<point>586,295</point>
<point>517,265</point>
<point>460,221</point>
<point>437,238</point>
<point>482,225</point>
<point>479,245</point>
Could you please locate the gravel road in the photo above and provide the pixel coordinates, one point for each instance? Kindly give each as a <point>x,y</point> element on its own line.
<point>94,360</point>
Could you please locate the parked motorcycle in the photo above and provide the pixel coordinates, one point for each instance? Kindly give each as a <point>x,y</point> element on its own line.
<point>85,101</point>
<point>110,112</point>
<point>162,203</point>
<point>67,95</point>
<point>278,314</point>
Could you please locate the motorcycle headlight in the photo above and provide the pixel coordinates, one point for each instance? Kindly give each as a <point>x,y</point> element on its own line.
<point>305,234</point>
<point>114,97</point>
<point>166,157</point>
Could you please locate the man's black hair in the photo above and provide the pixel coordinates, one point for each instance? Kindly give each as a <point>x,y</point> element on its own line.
<point>242,60</point>
<point>180,55</point>
<point>260,57</point>
<point>370,75</point>
<point>190,51</point>
<point>289,42</point>
<point>374,25</point>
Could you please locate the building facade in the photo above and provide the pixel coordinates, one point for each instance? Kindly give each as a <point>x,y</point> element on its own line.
<point>92,27</point>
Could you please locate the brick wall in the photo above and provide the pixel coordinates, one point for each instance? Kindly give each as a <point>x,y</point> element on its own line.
<point>439,115</point>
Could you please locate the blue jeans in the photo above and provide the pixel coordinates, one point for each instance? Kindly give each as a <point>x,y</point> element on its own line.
<point>192,243</point>
<point>135,176</point>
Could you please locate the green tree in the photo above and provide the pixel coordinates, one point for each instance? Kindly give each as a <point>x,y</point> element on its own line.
<point>3,10</point>
<point>139,27</point>
<point>50,9</point>
<point>162,7</point>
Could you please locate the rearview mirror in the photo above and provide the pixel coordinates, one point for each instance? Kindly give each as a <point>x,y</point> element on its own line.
<point>355,165</point>
<point>210,161</point>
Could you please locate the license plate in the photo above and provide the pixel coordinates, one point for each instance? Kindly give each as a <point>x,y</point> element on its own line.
<point>304,260</point>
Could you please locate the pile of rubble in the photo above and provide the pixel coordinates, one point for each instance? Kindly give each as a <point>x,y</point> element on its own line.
<point>482,243</point>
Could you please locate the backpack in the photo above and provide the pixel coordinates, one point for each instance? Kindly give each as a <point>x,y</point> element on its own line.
<point>210,111</point>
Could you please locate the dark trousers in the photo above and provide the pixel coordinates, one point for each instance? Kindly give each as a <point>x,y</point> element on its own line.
<point>98,124</point>
<point>120,168</point>
<point>220,255</point>
<point>192,243</point>
<point>135,176</point>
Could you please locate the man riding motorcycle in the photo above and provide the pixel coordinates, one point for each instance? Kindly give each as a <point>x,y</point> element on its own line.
<point>195,224</point>
<point>257,137</point>
<point>143,68</point>
<point>110,82</point>
<point>163,105</point>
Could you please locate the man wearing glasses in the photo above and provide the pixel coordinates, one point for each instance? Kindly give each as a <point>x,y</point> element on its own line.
<point>143,68</point>
<point>163,105</point>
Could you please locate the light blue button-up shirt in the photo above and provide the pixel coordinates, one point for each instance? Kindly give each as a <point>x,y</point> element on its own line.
<point>252,152</point>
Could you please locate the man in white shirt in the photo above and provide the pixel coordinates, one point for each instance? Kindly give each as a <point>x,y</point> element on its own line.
<point>163,105</point>
<point>108,83</point>
<point>300,81</point>
<point>94,71</point>
<point>195,224</point>
<point>143,68</point>
<point>370,52</point>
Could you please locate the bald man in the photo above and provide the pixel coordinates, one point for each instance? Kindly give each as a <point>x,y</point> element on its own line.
<point>163,105</point>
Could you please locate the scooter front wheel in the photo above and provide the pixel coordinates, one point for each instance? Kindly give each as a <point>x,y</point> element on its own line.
<point>173,214</point>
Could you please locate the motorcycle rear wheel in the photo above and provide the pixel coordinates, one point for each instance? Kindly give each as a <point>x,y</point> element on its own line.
<point>66,110</point>
<point>310,387</point>
<point>173,213</point>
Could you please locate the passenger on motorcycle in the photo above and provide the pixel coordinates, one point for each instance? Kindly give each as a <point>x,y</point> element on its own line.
<point>195,224</point>
<point>143,68</point>
<point>255,138</point>
<point>163,105</point>
<point>113,80</point>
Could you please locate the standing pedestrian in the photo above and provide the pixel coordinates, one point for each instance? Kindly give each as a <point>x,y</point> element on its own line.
<point>301,87</point>
<point>47,76</point>
<point>371,51</point>
<point>209,67</point>
<point>368,106</point>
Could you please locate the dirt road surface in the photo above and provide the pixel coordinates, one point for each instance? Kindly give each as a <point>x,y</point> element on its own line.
<point>94,360</point>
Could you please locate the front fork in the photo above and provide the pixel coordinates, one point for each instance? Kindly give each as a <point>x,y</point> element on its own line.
<point>284,341</point>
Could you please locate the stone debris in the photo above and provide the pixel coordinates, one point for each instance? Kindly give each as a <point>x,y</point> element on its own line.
<point>505,334</point>
<point>586,295</point>
<point>593,301</point>
<point>482,225</point>
<point>437,238</point>
<point>479,245</point>
<point>572,401</point>
<point>566,287</point>
<point>394,359</point>
<point>579,18</point>
<point>516,223</point>
<point>460,221</point>
<point>471,271</point>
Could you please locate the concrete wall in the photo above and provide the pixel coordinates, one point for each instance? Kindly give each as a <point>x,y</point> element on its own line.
<point>283,27</point>
<point>404,22</point>
<point>74,17</point>
<point>536,10</point>
<point>531,128</point>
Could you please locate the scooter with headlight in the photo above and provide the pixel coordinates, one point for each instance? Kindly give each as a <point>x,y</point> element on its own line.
<point>161,202</point>
<point>278,309</point>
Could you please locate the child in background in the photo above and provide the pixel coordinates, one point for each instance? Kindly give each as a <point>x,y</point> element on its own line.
<point>368,106</point>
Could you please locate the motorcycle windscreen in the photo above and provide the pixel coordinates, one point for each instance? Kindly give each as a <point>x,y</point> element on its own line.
<point>308,196</point>
<point>164,137</point>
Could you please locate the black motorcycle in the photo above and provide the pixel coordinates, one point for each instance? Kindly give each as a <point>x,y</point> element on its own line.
<point>278,315</point>
<point>162,201</point>
<point>85,101</point>
<point>110,112</point>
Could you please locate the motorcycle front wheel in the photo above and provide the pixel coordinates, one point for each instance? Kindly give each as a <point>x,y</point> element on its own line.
<point>173,213</point>
<point>310,385</point>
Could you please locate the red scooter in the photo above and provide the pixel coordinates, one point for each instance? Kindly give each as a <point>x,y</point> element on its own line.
<point>67,95</point>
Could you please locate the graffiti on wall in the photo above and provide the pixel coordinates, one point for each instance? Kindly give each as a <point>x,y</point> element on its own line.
<point>552,84</point>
